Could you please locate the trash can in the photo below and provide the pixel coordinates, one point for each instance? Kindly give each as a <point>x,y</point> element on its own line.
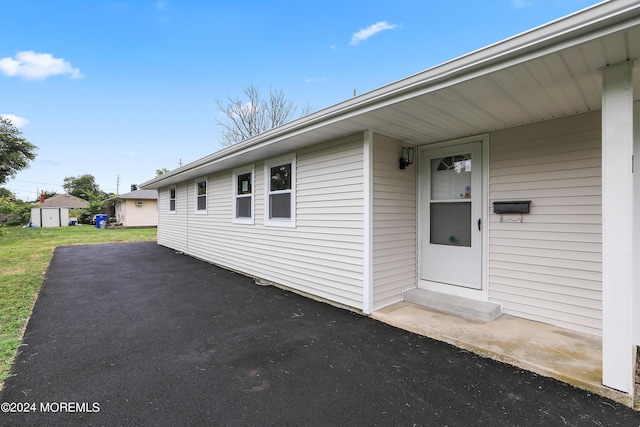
<point>99,219</point>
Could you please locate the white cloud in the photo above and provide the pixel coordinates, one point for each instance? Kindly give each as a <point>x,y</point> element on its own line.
<point>520,4</point>
<point>17,121</point>
<point>163,8</point>
<point>365,33</point>
<point>162,5</point>
<point>37,66</point>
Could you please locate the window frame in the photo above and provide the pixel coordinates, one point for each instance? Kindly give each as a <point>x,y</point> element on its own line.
<point>205,195</point>
<point>235,196</point>
<point>280,222</point>
<point>173,199</point>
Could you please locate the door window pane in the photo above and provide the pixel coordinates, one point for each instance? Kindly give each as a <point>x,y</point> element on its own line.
<point>451,177</point>
<point>451,224</point>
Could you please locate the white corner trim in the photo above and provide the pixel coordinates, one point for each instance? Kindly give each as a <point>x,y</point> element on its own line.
<point>367,257</point>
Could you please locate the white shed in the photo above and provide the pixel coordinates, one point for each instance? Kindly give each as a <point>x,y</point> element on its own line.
<point>50,217</point>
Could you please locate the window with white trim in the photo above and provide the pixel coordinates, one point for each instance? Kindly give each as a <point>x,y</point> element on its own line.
<point>280,192</point>
<point>172,200</point>
<point>201,195</point>
<point>243,195</point>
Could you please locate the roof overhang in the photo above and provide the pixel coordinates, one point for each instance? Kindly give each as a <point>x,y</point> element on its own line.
<point>548,72</point>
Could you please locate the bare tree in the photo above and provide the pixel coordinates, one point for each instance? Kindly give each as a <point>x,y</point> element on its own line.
<point>254,116</point>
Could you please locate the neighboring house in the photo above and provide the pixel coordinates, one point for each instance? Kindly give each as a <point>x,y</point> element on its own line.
<point>54,211</point>
<point>549,118</point>
<point>138,208</point>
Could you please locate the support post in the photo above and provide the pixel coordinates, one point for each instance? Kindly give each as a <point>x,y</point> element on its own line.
<point>617,226</point>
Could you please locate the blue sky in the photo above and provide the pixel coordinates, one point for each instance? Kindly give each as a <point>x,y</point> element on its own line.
<point>122,88</point>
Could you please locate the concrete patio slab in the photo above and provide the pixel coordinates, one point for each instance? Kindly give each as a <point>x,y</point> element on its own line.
<point>569,356</point>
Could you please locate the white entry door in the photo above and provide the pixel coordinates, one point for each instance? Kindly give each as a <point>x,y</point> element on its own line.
<point>451,215</point>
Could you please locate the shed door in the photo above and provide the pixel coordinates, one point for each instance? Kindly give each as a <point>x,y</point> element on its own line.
<point>51,217</point>
<point>451,202</point>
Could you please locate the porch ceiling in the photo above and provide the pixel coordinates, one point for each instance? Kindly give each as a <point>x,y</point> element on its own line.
<point>559,84</point>
<point>550,72</point>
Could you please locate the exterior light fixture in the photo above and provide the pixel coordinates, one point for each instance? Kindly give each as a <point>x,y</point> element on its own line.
<point>407,157</point>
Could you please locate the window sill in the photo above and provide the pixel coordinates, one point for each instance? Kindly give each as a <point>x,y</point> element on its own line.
<point>283,223</point>
<point>246,221</point>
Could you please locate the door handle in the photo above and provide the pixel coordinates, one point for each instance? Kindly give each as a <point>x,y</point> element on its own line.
<point>479,224</point>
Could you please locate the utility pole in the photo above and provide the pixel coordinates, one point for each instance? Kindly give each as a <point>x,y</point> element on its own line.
<point>180,162</point>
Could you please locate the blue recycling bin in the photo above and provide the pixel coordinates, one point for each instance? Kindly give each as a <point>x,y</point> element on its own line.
<point>99,219</point>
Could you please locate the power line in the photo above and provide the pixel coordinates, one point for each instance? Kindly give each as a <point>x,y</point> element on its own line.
<point>38,183</point>
<point>24,191</point>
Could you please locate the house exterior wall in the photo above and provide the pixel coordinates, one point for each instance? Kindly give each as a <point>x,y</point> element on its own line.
<point>549,267</point>
<point>131,215</point>
<point>173,230</point>
<point>394,223</point>
<point>322,255</point>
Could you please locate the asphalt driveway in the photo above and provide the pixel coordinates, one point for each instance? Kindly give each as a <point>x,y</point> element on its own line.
<point>137,334</point>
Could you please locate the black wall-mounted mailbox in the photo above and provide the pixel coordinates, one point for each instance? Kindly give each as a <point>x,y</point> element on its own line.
<point>512,207</point>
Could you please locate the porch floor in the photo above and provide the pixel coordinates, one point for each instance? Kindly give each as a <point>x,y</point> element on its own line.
<point>563,354</point>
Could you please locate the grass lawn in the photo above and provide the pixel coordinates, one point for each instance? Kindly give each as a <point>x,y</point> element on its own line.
<point>25,254</point>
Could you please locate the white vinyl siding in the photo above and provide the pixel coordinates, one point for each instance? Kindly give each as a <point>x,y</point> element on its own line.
<point>172,230</point>
<point>394,223</point>
<point>549,267</point>
<point>321,256</point>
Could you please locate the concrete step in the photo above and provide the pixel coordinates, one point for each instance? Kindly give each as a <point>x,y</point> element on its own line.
<point>459,306</point>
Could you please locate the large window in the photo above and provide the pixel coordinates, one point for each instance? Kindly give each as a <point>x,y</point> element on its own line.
<point>172,199</point>
<point>280,194</point>
<point>201,195</point>
<point>243,195</point>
